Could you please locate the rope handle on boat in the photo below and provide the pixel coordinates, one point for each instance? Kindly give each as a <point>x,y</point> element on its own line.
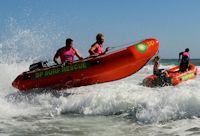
<point>124,45</point>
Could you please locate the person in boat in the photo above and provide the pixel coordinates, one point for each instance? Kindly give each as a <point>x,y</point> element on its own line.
<point>185,58</point>
<point>67,53</point>
<point>97,47</point>
<point>156,70</point>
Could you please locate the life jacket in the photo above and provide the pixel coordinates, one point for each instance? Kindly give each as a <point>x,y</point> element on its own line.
<point>99,50</point>
<point>67,55</point>
<point>185,57</point>
<point>187,54</point>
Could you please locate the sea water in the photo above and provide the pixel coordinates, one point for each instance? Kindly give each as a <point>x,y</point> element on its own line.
<point>118,108</point>
<point>122,107</point>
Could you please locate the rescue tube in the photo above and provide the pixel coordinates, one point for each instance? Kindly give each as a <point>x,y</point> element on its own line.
<point>175,77</point>
<point>104,68</point>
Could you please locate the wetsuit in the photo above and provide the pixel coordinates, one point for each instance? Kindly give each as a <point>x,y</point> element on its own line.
<point>184,61</point>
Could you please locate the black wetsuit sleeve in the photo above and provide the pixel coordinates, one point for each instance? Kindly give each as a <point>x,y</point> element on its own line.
<point>58,52</point>
<point>180,54</point>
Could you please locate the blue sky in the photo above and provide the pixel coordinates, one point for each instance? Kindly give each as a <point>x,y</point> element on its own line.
<point>175,23</point>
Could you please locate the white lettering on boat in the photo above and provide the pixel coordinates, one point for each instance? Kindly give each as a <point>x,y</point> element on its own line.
<point>60,70</point>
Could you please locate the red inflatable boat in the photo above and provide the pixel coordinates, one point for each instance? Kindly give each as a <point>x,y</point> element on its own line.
<point>175,77</point>
<point>109,67</point>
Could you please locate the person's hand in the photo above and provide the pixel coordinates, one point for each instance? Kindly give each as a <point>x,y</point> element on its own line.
<point>107,49</point>
<point>81,58</point>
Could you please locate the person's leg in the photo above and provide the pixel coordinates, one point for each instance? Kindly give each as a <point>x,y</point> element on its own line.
<point>187,65</point>
<point>181,69</point>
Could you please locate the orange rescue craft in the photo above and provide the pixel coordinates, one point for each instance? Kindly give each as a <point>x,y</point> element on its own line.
<point>175,77</point>
<point>104,68</point>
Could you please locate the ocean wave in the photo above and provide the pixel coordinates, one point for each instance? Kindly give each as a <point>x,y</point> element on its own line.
<point>126,98</point>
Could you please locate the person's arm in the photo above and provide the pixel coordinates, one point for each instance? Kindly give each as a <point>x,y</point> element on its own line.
<point>107,49</point>
<point>78,54</point>
<point>92,49</point>
<point>180,54</point>
<point>57,55</point>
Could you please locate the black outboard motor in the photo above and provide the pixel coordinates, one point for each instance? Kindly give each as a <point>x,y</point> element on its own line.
<point>38,65</point>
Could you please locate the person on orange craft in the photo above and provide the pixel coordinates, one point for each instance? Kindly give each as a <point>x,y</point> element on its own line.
<point>67,53</point>
<point>156,70</point>
<point>184,60</point>
<point>97,47</point>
